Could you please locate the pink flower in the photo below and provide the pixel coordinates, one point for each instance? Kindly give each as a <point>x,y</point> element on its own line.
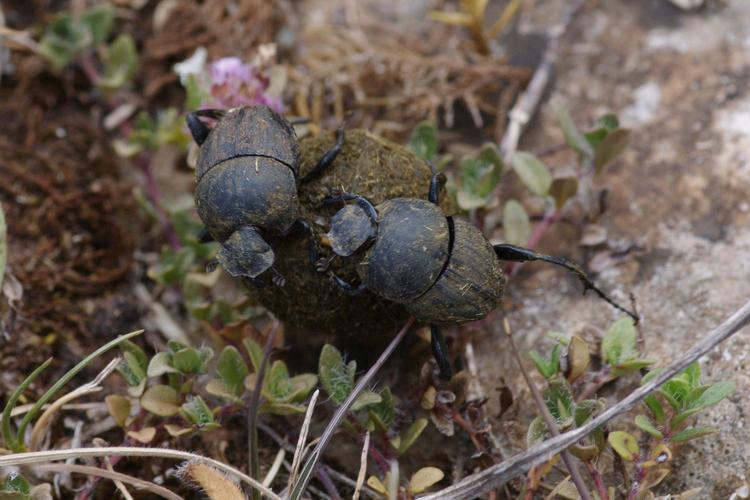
<point>234,83</point>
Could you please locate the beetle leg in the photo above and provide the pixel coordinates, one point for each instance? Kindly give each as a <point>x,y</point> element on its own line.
<point>348,287</point>
<point>303,227</point>
<point>204,236</point>
<point>327,159</point>
<point>520,254</point>
<point>198,129</point>
<point>363,203</point>
<point>437,181</point>
<point>440,352</point>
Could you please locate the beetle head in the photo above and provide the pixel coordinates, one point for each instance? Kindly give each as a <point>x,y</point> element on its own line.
<point>245,253</point>
<point>351,230</point>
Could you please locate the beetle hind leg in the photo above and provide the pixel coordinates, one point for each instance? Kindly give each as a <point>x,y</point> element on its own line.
<point>440,352</point>
<point>327,159</point>
<point>519,254</point>
<point>437,182</point>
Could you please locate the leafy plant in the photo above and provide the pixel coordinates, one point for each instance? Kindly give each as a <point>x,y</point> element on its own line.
<point>67,36</point>
<point>337,377</point>
<point>419,482</point>
<point>664,424</point>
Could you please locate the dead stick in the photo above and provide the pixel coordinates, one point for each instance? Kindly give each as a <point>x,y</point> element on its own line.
<point>527,104</point>
<point>575,475</point>
<point>494,476</point>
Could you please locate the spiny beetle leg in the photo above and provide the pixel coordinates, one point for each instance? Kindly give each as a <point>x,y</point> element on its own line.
<point>363,203</point>
<point>198,129</point>
<point>327,159</point>
<point>440,352</point>
<point>204,236</point>
<point>520,254</point>
<point>437,181</point>
<point>303,228</point>
<point>348,287</point>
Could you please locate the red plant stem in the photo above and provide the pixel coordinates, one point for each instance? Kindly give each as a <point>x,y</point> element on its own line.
<point>601,488</point>
<point>154,194</point>
<point>640,474</point>
<point>325,478</point>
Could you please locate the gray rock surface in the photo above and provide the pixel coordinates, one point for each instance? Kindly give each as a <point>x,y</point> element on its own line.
<point>679,199</point>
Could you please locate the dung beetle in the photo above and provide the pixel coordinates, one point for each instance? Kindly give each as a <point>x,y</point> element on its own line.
<point>441,268</point>
<point>247,177</point>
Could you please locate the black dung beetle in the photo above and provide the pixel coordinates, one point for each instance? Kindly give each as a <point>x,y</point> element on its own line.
<point>442,269</point>
<point>247,180</point>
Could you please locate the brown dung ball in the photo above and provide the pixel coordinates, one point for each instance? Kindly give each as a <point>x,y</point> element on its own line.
<point>309,302</point>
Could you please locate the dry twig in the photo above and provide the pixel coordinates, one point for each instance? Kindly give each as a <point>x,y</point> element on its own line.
<point>493,477</point>
<point>575,475</point>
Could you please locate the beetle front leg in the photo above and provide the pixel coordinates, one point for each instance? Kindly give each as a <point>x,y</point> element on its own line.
<point>348,287</point>
<point>440,352</point>
<point>514,253</point>
<point>198,129</point>
<point>327,159</point>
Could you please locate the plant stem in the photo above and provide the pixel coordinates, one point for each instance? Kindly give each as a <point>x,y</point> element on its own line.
<point>335,421</point>
<point>601,488</point>
<point>252,412</point>
<point>575,475</point>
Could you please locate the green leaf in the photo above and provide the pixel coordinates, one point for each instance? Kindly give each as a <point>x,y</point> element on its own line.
<point>277,386</point>
<point>610,148</point>
<point>479,177</point>
<point>656,408</point>
<point>411,435</point>
<point>625,444</point>
<point>714,394</point>
<point>276,408</point>
<point>548,368</point>
<point>131,370</point>
<point>563,189</point>
<point>197,412</point>
<point>137,358</point>
<point>609,122</point>
<point>301,386</point>
<point>232,370</point>
<point>516,223</point>
<point>336,377</point>
<point>537,432</point>
<point>532,172</point>
<point>99,21</point>
<point>118,408</point>
<point>675,391</point>
<point>586,409</point>
<point>424,141</point>
<point>255,351</point>
<point>381,414</point>
<point>66,37</point>
<point>161,400</point>
<point>693,373</point>
<point>620,343</point>
<point>366,398</point>
<point>424,478</point>
<point>120,63</point>
<point>693,433</point>
<point>559,401</point>
<point>3,246</point>
<point>643,423</point>
<point>16,483</point>
<point>573,137</point>
<point>160,364</point>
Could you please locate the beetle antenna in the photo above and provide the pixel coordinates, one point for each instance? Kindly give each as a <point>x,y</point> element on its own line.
<point>519,254</point>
